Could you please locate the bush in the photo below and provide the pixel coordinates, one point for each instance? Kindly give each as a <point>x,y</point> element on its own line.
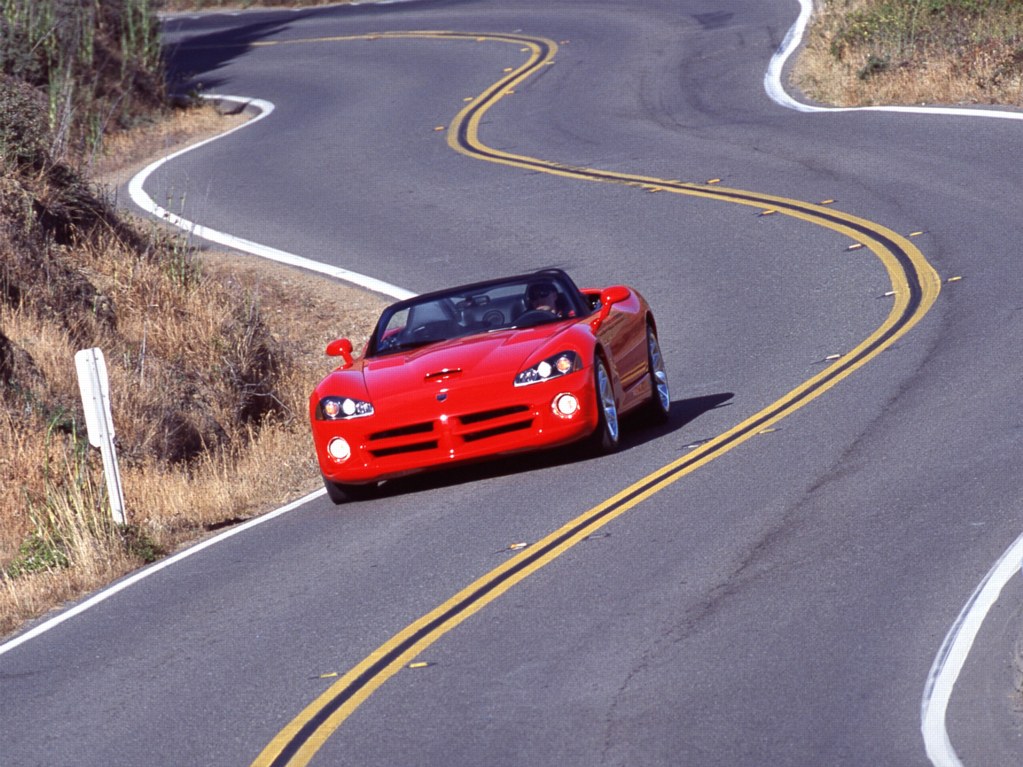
<point>908,29</point>
<point>96,64</point>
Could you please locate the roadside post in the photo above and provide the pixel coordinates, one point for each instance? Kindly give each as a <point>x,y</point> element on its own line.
<point>95,387</point>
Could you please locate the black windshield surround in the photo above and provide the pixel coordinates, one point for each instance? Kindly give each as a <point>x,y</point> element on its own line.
<point>521,301</point>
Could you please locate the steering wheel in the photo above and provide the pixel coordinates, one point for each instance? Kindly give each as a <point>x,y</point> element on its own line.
<point>535,317</point>
<point>493,318</point>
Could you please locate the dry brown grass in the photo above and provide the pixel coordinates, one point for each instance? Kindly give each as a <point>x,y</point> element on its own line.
<point>874,52</point>
<point>125,153</point>
<point>209,329</point>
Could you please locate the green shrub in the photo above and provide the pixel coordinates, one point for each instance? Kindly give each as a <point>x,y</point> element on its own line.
<point>901,29</point>
<point>95,63</point>
<point>24,133</point>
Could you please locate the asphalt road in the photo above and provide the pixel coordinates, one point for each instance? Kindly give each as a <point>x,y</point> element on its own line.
<point>783,604</point>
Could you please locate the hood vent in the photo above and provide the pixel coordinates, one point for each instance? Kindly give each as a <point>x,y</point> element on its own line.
<point>443,375</point>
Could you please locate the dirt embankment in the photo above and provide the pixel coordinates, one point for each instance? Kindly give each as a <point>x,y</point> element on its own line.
<point>211,354</point>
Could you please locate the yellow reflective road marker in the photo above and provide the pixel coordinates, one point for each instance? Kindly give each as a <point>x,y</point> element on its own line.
<point>915,287</point>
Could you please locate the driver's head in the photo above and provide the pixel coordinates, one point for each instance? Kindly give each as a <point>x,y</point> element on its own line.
<point>542,293</point>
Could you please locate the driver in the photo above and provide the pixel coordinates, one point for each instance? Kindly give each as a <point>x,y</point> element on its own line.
<point>543,296</point>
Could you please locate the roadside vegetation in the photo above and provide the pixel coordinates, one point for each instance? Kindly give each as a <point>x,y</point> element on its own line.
<point>869,52</point>
<point>210,364</point>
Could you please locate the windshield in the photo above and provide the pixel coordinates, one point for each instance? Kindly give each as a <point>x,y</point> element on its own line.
<point>518,302</point>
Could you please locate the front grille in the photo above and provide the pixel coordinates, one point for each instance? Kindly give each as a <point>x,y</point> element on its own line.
<point>496,431</point>
<point>403,431</point>
<point>445,437</point>
<point>484,424</point>
<point>415,447</point>
<point>489,415</point>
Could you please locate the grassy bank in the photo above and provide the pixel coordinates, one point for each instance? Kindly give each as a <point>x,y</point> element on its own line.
<point>209,365</point>
<point>868,52</point>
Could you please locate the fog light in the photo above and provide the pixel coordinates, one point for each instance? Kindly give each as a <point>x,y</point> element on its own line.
<point>566,405</point>
<point>339,449</point>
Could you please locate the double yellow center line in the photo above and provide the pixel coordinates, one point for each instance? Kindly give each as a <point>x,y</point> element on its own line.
<point>915,287</point>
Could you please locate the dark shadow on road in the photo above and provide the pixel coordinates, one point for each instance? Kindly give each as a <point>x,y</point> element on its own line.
<point>191,64</point>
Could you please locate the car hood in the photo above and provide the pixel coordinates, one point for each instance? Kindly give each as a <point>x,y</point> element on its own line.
<point>499,355</point>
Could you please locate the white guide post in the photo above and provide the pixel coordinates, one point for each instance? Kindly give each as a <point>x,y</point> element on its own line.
<point>95,388</point>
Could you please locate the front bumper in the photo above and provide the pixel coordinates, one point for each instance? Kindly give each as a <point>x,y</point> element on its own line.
<point>422,432</point>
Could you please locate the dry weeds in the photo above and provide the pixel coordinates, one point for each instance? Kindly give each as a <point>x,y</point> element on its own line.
<point>125,153</point>
<point>876,52</point>
<point>55,542</point>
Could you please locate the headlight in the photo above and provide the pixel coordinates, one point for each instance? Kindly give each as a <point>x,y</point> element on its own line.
<point>341,408</point>
<point>554,366</point>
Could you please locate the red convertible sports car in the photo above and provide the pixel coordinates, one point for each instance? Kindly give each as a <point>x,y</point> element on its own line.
<point>482,371</point>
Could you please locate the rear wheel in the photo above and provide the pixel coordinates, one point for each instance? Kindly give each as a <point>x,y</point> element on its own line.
<point>606,436</point>
<point>660,395</point>
<point>340,493</point>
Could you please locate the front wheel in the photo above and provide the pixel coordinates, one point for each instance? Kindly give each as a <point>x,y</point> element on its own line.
<point>340,493</point>
<point>605,437</point>
<point>660,395</point>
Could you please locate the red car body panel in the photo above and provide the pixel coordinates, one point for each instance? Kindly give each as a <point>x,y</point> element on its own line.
<point>455,401</point>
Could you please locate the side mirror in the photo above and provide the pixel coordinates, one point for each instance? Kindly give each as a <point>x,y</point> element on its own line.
<point>614,295</point>
<point>608,298</point>
<point>342,347</point>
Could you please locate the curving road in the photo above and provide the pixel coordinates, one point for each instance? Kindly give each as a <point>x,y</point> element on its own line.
<point>780,599</point>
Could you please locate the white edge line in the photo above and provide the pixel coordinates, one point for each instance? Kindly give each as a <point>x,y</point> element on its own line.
<point>141,198</point>
<point>953,653</point>
<point>777,93</point>
<point>131,580</point>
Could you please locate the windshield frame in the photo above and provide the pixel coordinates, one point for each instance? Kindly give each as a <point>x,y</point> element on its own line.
<point>473,309</point>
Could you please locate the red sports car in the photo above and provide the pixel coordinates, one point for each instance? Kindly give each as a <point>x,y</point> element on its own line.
<point>482,371</point>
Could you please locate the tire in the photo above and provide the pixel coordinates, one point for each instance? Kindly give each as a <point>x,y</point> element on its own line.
<point>660,395</point>
<point>606,437</point>
<point>340,493</point>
